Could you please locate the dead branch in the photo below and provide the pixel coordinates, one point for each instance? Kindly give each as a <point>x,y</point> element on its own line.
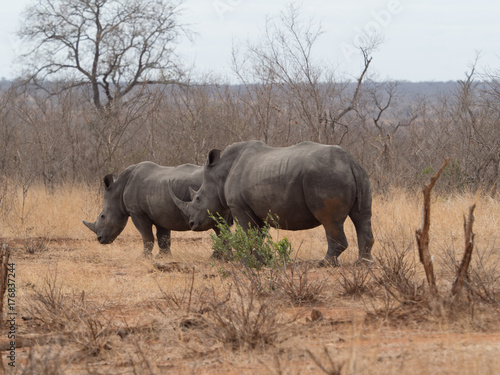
<point>463,270</point>
<point>354,99</point>
<point>422,234</point>
<point>335,368</point>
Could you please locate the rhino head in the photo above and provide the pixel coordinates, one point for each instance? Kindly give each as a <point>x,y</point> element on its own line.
<point>207,200</point>
<point>112,219</point>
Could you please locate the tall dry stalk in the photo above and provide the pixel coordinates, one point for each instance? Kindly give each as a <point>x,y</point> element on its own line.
<point>463,270</point>
<point>423,233</point>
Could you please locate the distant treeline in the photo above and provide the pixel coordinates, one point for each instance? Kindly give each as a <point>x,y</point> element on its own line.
<point>399,131</point>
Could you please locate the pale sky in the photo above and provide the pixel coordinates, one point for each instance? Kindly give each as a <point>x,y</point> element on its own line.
<point>424,40</point>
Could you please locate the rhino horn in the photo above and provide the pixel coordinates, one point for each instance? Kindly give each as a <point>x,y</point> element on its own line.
<point>183,206</point>
<point>91,226</point>
<point>192,192</point>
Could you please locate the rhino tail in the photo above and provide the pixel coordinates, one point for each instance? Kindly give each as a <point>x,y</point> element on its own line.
<point>359,185</point>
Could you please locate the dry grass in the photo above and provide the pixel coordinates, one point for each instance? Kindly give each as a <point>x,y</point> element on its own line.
<point>119,314</point>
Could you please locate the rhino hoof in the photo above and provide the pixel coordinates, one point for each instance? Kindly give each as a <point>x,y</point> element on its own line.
<point>365,261</point>
<point>164,255</point>
<point>329,262</point>
<point>147,255</point>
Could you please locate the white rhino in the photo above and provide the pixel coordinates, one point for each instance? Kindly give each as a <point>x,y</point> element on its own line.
<point>305,185</point>
<point>142,192</point>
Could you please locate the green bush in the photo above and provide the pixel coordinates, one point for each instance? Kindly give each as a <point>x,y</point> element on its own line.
<point>254,247</point>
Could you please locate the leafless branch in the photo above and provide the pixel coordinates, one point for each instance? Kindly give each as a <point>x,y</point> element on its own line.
<point>422,234</point>
<point>111,46</point>
<point>463,270</point>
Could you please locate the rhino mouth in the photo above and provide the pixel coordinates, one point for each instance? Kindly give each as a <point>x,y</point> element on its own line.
<point>200,226</point>
<point>105,241</point>
<point>196,227</point>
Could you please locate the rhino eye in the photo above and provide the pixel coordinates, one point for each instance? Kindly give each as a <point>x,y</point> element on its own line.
<point>102,216</point>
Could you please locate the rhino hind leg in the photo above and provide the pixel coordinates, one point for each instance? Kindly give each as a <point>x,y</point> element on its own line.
<point>365,241</point>
<point>337,243</point>
<point>164,240</point>
<point>363,225</point>
<point>332,213</point>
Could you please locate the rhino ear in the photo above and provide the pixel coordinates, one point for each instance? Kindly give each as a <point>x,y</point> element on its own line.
<point>213,156</point>
<point>108,180</point>
<point>192,192</point>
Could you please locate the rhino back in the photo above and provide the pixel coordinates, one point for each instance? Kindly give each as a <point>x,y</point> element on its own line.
<point>293,182</point>
<point>147,192</point>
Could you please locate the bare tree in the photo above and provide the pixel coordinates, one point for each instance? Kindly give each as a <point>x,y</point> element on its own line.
<point>281,65</point>
<point>476,114</point>
<point>383,95</point>
<point>109,46</point>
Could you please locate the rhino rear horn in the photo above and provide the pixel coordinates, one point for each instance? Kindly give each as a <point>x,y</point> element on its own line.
<point>183,206</point>
<point>91,226</point>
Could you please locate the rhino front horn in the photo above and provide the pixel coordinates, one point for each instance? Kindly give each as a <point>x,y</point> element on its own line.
<point>91,226</point>
<point>183,206</point>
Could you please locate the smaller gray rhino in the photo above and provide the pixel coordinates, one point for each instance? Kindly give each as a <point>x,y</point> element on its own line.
<point>142,192</point>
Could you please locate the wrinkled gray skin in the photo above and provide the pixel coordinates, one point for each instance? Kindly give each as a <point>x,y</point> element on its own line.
<point>305,185</point>
<point>142,192</point>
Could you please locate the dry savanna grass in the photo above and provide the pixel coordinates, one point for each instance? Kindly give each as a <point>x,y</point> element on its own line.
<point>86,308</point>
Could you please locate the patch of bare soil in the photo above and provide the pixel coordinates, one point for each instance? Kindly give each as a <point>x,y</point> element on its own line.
<point>83,308</point>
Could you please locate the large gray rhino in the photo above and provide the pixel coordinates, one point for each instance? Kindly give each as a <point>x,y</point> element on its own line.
<point>305,185</point>
<point>142,192</point>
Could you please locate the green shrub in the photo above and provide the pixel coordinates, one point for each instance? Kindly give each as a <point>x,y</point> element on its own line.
<point>254,247</point>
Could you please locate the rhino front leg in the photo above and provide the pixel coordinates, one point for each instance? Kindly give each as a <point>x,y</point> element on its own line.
<point>164,240</point>
<point>145,228</point>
